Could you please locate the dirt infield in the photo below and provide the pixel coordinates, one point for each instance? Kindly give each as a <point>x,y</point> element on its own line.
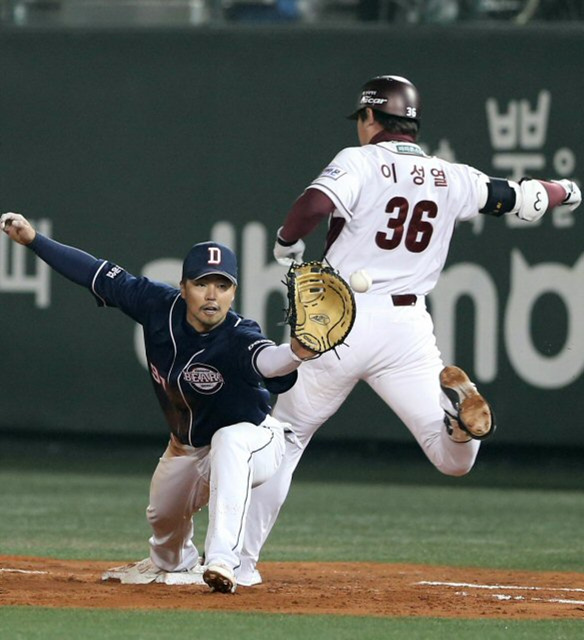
<point>305,587</point>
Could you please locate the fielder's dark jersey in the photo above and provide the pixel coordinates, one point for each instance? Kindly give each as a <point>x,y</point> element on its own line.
<point>203,381</point>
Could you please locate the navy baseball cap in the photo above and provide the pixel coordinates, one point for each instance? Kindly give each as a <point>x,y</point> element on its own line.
<point>208,258</point>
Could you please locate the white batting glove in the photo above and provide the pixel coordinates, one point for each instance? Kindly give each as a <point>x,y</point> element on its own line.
<point>285,253</point>
<point>574,195</point>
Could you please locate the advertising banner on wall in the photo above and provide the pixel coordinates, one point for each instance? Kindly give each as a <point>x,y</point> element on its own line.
<point>133,146</point>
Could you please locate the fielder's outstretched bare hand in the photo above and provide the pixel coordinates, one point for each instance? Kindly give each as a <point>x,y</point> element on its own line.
<point>17,228</point>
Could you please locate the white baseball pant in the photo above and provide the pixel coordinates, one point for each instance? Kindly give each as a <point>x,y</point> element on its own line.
<point>241,456</point>
<point>394,350</point>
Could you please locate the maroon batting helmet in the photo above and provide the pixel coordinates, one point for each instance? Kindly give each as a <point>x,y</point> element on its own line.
<point>393,95</point>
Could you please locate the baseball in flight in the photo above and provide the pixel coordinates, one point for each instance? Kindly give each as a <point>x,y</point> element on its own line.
<point>360,281</point>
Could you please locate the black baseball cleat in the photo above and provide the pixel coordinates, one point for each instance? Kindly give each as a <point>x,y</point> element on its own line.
<point>471,411</point>
<point>220,578</point>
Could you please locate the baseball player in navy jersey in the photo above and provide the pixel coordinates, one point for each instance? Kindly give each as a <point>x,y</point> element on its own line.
<point>212,372</point>
<point>391,212</point>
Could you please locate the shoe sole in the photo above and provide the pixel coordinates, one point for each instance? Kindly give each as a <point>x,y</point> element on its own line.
<point>474,413</point>
<point>218,582</point>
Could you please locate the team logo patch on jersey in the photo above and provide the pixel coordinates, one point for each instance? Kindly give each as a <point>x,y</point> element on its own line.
<point>332,171</point>
<point>407,149</point>
<point>203,378</point>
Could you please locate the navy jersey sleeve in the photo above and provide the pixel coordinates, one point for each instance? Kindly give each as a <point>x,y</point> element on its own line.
<point>136,297</point>
<point>74,264</point>
<point>251,342</point>
<point>110,284</point>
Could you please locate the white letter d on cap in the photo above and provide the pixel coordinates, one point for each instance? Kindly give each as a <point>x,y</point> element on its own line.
<point>214,255</point>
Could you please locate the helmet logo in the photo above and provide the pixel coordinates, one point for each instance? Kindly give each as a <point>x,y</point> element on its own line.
<point>392,95</point>
<point>371,100</point>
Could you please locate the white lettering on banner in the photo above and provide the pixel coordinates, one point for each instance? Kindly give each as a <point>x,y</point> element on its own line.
<point>528,284</point>
<point>497,321</point>
<point>519,165</point>
<point>13,268</point>
<point>263,275</point>
<point>467,279</point>
<point>519,127</point>
<point>518,137</point>
<point>519,132</point>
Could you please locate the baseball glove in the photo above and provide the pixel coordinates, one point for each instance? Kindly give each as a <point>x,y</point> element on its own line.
<point>321,306</point>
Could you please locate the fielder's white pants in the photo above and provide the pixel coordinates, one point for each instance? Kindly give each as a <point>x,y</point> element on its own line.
<point>241,456</point>
<point>394,350</point>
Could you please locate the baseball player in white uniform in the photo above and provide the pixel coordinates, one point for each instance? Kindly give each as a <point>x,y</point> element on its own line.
<point>391,210</point>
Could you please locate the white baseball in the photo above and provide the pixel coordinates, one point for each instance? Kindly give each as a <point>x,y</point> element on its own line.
<point>360,281</point>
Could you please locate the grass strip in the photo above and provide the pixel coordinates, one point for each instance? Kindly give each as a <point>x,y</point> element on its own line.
<point>26,623</point>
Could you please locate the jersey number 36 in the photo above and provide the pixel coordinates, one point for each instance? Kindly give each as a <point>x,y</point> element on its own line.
<point>418,232</point>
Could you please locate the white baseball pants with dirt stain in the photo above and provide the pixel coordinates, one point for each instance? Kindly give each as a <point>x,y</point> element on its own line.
<point>391,348</point>
<point>222,475</point>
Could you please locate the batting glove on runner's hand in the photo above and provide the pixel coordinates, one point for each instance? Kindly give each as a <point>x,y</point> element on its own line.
<point>574,197</point>
<point>287,253</point>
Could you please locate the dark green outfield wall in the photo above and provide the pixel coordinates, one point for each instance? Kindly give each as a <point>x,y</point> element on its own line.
<point>134,145</point>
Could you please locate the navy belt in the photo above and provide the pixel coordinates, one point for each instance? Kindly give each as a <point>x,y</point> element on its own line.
<point>405,300</point>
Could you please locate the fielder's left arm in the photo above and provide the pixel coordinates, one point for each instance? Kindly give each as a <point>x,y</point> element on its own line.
<point>72,263</point>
